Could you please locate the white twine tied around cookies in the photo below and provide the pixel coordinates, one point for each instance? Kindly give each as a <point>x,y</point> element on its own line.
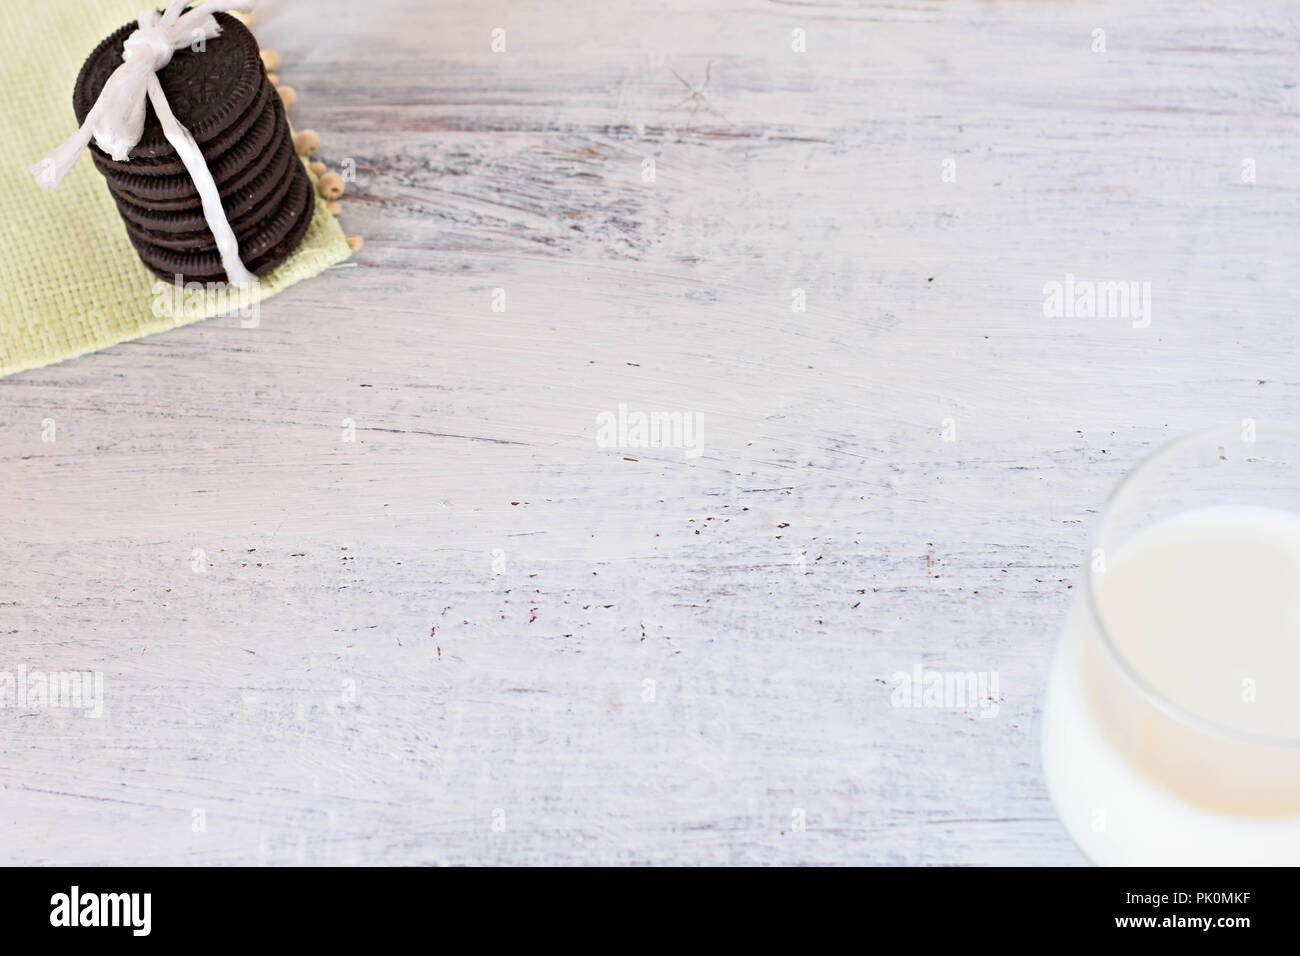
<point>116,121</point>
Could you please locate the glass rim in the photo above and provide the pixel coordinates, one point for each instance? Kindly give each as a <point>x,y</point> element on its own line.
<point>1144,686</point>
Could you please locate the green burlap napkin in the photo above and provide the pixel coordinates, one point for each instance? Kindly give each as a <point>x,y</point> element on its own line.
<point>70,281</point>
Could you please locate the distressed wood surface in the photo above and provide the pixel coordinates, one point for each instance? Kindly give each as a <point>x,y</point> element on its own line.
<point>475,613</point>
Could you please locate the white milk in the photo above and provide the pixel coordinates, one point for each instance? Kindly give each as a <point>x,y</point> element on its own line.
<point>1205,608</point>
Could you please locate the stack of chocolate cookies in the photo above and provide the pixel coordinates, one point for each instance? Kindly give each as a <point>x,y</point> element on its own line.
<point>221,94</point>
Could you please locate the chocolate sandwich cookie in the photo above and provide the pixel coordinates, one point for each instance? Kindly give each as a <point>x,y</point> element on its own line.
<point>200,238</point>
<point>262,247</point>
<point>238,169</point>
<point>209,91</point>
<point>243,206</point>
<point>249,137</point>
<point>223,97</point>
<point>172,165</point>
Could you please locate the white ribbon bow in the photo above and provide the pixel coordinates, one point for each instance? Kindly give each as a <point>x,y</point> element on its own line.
<point>116,121</point>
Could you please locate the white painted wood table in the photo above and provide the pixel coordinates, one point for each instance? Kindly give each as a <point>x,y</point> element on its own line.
<point>479,634</point>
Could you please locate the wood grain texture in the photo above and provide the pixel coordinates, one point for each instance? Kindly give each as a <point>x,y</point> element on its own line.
<point>496,586</point>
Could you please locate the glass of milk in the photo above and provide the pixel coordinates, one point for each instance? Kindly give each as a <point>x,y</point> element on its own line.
<point>1171,728</point>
